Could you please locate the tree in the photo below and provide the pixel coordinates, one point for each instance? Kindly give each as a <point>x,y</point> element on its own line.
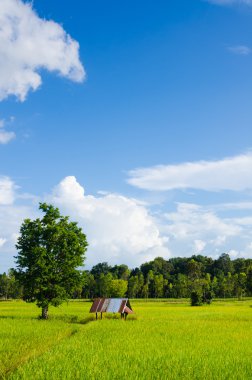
<point>89,288</point>
<point>101,268</point>
<point>4,286</point>
<point>133,286</point>
<point>50,250</point>
<point>249,280</point>
<point>104,285</point>
<point>120,272</point>
<point>145,291</point>
<point>9,286</point>
<point>240,284</point>
<point>158,282</point>
<point>119,288</point>
<point>224,264</point>
<point>180,286</point>
<point>228,285</point>
<point>194,270</point>
<point>196,298</point>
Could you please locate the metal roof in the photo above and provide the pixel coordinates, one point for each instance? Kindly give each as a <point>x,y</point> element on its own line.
<point>111,305</point>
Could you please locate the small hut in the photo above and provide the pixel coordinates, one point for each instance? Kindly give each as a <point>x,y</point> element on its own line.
<point>111,305</point>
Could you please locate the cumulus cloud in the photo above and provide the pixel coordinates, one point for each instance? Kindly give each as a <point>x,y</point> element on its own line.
<point>195,229</point>
<point>5,136</point>
<point>119,229</point>
<point>7,191</point>
<point>123,230</point>
<point>196,222</point>
<point>27,45</point>
<point>232,173</point>
<point>199,245</point>
<point>240,49</point>
<point>11,218</point>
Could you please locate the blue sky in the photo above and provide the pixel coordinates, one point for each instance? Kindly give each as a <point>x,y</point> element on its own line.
<point>146,106</point>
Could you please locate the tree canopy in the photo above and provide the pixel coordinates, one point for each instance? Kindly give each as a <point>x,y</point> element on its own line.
<point>50,251</point>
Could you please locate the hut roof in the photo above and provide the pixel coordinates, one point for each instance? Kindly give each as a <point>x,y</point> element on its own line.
<point>111,305</point>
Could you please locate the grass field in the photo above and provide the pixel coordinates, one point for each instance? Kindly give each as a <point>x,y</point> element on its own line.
<point>164,340</point>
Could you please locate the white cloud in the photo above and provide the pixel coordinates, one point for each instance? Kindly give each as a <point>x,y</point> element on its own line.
<point>119,229</point>
<point>235,206</point>
<point>234,254</point>
<point>240,50</point>
<point>195,229</point>
<point>232,173</point>
<point>123,230</point>
<point>219,241</point>
<point>7,191</point>
<point>2,242</point>
<point>11,218</point>
<point>5,136</point>
<point>27,45</point>
<point>199,245</point>
<point>199,223</point>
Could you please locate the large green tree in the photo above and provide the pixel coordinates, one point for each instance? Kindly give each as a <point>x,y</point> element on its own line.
<point>50,251</point>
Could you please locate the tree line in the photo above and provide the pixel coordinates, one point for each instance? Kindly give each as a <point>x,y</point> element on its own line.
<point>174,278</point>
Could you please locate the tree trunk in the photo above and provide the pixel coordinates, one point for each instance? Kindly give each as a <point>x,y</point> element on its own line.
<point>44,312</point>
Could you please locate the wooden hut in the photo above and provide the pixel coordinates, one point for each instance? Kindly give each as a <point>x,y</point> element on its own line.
<point>111,305</point>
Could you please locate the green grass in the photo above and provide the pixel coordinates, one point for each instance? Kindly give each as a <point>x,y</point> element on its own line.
<point>164,340</point>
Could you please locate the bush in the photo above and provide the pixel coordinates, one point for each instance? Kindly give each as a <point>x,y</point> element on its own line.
<point>208,297</point>
<point>196,298</point>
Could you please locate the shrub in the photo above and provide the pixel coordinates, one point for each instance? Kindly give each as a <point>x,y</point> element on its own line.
<point>208,297</point>
<point>196,298</point>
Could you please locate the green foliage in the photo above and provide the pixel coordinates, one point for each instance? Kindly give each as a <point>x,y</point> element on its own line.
<point>196,298</point>
<point>194,270</point>
<point>4,286</point>
<point>224,264</point>
<point>240,284</point>
<point>99,269</point>
<point>207,297</point>
<point>173,278</point>
<point>118,288</point>
<point>249,280</point>
<point>9,286</point>
<point>50,250</point>
<point>120,272</point>
<point>176,277</point>
<point>133,287</point>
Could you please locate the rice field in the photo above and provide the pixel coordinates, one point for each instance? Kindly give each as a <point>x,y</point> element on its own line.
<point>163,340</point>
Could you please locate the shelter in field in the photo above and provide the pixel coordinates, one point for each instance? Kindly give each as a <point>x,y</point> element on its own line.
<point>111,305</point>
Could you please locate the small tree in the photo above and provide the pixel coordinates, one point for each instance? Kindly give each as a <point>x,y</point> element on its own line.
<point>196,298</point>
<point>118,288</point>
<point>207,297</point>
<point>50,250</point>
<point>4,286</point>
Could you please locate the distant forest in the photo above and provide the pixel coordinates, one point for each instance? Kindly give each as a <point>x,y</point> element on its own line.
<point>174,278</point>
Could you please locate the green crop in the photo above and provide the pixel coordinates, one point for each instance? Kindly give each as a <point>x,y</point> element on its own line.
<point>162,340</point>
